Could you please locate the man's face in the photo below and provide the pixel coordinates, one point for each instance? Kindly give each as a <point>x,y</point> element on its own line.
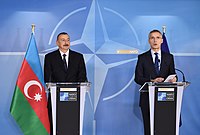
<point>155,41</point>
<point>63,42</point>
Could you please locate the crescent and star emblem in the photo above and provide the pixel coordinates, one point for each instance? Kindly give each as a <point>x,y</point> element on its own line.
<point>37,96</point>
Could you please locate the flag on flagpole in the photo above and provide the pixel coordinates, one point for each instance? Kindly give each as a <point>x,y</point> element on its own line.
<point>164,45</point>
<point>29,103</point>
<point>165,48</point>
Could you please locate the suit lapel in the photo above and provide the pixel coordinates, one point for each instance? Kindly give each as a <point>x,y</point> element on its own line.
<point>163,61</point>
<point>69,59</point>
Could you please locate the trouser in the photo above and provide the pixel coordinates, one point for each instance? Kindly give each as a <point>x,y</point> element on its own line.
<point>146,119</point>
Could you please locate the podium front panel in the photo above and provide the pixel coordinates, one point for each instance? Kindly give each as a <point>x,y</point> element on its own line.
<point>165,111</point>
<point>165,101</point>
<point>68,110</point>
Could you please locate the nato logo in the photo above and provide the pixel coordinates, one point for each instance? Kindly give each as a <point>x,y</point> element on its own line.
<point>166,96</point>
<point>162,96</point>
<point>64,96</point>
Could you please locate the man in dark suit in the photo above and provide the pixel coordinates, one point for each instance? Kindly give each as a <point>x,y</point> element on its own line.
<point>55,69</point>
<point>152,66</point>
<point>63,65</point>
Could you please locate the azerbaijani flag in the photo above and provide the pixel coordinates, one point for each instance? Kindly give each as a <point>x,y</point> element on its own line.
<point>29,103</point>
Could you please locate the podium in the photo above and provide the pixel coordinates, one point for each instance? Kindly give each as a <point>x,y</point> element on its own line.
<point>68,101</point>
<point>165,101</point>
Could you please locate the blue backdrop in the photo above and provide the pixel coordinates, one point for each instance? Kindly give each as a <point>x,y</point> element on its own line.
<point>101,30</point>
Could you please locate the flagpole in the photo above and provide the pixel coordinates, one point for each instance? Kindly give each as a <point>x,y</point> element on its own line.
<point>33,28</point>
<point>164,28</point>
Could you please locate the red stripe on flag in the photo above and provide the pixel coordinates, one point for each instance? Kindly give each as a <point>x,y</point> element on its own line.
<point>32,93</point>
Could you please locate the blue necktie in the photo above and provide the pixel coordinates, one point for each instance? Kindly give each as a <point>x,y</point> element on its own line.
<point>156,63</point>
<point>64,61</point>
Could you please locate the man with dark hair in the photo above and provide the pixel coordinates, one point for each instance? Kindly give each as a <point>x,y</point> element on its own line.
<point>63,65</point>
<point>152,66</point>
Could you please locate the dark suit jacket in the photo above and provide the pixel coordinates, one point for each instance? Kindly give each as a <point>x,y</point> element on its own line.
<point>54,71</point>
<point>54,68</point>
<point>145,70</point>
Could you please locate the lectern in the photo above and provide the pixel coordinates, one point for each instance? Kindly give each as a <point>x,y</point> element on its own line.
<point>68,101</point>
<point>165,101</point>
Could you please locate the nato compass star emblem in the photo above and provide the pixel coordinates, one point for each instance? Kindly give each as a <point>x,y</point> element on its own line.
<point>107,49</point>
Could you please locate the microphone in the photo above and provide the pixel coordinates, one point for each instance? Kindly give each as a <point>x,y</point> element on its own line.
<point>181,73</point>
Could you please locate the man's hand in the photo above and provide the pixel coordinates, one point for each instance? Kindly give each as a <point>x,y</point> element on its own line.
<point>158,79</point>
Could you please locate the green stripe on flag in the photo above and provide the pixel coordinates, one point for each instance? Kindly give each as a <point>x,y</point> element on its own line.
<point>25,116</point>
